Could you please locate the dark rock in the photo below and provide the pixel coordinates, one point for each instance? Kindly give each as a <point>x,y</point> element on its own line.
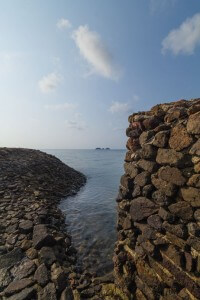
<point>126,182</point>
<point>191,195</point>
<point>11,258</point>
<point>25,294</point>
<point>169,156</point>
<point>155,222</point>
<point>59,278</point>
<point>178,230</point>
<point>48,292</point>
<point>41,237</point>
<point>17,286</point>
<point>165,187</point>
<point>142,178</point>
<point>146,137</point>
<point>194,181</point>
<point>26,226</point>
<point>47,256</point>
<point>23,269</point>
<point>142,208</point>
<point>136,191</point>
<point>161,139</point>
<point>131,169</point>
<point>161,198</point>
<point>132,144</point>
<point>181,209</point>
<point>147,165</point>
<point>147,190</point>
<point>5,278</point>
<point>148,151</point>
<point>41,275</point>
<point>151,122</point>
<point>172,175</point>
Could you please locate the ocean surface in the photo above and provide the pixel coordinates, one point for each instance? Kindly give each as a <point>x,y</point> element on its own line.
<point>91,214</point>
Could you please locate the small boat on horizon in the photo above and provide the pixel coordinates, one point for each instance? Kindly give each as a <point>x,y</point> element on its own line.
<point>102,148</point>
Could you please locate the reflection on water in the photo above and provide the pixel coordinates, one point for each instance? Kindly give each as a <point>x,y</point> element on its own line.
<point>91,214</point>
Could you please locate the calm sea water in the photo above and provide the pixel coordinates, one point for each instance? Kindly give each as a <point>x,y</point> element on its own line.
<point>91,214</point>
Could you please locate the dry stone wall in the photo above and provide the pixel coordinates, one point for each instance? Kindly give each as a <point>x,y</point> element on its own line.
<point>157,255</point>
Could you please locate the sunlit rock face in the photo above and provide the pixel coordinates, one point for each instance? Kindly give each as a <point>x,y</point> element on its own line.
<point>157,255</point>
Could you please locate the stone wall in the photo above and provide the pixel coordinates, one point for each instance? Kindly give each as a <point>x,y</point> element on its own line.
<point>157,255</point>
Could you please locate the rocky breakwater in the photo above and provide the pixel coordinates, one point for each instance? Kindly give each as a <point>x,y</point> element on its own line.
<point>36,255</point>
<point>157,255</point>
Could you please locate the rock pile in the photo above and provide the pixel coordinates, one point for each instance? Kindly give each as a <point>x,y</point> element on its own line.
<point>157,255</point>
<point>36,255</point>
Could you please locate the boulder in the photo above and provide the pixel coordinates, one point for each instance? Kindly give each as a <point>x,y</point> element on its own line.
<point>26,226</point>
<point>25,294</point>
<point>172,175</point>
<point>147,165</point>
<point>42,275</point>
<point>142,208</point>
<point>182,210</point>
<point>191,195</point>
<point>47,256</point>
<point>48,292</point>
<point>195,150</point>
<point>179,138</point>
<point>163,186</point>
<point>169,156</point>
<point>11,258</point>
<point>194,181</point>
<point>17,286</point>
<point>142,178</point>
<point>193,124</point>
<point>23,269</point>
<point>161,139</point>
<point>41,237</point>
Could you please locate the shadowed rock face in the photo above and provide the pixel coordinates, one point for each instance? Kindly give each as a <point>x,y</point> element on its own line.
<point>36,255</point>
<point>157,255</point>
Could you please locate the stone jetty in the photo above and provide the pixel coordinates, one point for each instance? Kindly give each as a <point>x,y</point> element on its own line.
<point>157,255</point>
<point>36,255</point>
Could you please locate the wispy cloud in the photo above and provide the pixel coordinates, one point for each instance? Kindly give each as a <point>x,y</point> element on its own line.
<point>185,38</point>
<point>49,83</point>
<point>160,5</point>
<point>63,24</point>
<point>95,52</point>
<point>75,125</point>
<point>119,107</point>
<point>61,106</point>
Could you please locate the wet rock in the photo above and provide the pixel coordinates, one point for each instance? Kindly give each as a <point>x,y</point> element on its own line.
<point>11,258</point>
<point>193,124</point>
<point>169,156</point>
<point>179,138</point>
<point>142,208</point>
<point>49,292</point>
<point>172,175</point>
<point>17,286</point>
<point>41,237</point>
<point>26,226</point>
<point>47,256</point>
<point>42,275</point>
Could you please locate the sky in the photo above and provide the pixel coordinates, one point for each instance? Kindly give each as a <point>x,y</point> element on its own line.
<point>72,71</point>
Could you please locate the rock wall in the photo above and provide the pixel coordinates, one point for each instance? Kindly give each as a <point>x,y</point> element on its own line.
<point>157,255</point>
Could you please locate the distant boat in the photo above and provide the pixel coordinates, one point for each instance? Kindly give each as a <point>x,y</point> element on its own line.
<point>102,149</point>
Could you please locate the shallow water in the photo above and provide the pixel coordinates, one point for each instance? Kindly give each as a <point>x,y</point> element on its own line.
<point>91,214</point>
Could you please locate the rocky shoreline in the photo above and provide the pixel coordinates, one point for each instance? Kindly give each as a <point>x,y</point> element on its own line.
<point>37,258</point>
<point>36,254</point>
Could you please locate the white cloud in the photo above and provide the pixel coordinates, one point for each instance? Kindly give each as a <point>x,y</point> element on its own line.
<point>94,51</point>
<point>75,125</point>
<point>185,38</point>
<point>61,106</point>
<point>119,107</point>
<point>63,24</point>
<point>49,83</point>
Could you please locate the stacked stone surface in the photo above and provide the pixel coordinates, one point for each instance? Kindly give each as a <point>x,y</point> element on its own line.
<point>157,255</point>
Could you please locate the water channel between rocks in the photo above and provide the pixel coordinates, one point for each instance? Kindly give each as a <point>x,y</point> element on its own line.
<point>91,214</point>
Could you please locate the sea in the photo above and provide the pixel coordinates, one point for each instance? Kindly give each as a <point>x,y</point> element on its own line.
<point>91,214</point>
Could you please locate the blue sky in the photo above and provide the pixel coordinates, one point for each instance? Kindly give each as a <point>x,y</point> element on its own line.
<point>71,71</point>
